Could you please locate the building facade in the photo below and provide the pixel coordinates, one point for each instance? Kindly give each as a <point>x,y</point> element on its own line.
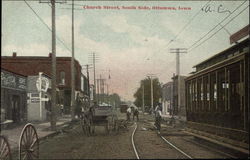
<point>13,97</point>
<point>167,98</point>
<point>179,109</point>
<point>32,65</point>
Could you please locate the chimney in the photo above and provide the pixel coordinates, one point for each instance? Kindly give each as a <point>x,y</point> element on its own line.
<point>50,55</point>
<point>14,54</point>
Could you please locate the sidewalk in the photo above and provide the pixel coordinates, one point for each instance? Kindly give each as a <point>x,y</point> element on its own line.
<point>43,130</point>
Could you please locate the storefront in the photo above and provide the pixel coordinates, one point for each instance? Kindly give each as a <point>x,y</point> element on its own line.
<point>13,97</point>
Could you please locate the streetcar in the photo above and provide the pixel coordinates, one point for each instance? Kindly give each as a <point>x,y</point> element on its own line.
<point>217,96</point>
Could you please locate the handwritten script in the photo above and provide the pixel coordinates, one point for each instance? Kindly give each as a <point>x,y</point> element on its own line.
<point>213,8</point>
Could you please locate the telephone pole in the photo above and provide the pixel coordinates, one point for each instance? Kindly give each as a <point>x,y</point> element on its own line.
<point>88,80</point>
<point>143,96</point>
<point>100,88</point>
<point>73,69</point>
<point>53,85</point>
<point>177,51</point>
<point>150,76</point>
<point>93,57</point>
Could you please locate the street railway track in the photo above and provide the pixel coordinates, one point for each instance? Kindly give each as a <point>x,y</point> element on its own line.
<point>165,140</point>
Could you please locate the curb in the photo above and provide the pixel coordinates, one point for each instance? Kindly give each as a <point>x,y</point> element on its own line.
<point>57,131</point>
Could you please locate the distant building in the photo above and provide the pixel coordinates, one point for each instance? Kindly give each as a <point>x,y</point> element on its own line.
<point>32,65</point>
<point>167,98</point>
<point>13,97</point>
<point>179,109</point>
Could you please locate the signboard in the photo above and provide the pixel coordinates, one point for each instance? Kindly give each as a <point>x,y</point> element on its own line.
<point>35,100</point>
<point>42,84</point>
<point>21,83</point>
<point>8,80</point>
<point>11,80</point>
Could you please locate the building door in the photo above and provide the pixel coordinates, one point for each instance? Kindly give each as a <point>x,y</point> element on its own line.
<point>15,108</point>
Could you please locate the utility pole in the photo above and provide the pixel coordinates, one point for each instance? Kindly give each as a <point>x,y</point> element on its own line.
<point>88,92</point>
<point>107,93</point>
<point>94,58</point>
<point>100,85</point>
<point>73,69</point>
<point>177,51</point>
<point>150,76</point>
<point>98,88</point>
<point>94,78</point>
<point>53,85</point>
<point>53,73</point>
<point>103,90</point>
<point>143,97</point>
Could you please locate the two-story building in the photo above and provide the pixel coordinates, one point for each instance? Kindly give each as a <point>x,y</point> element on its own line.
<point>13,97</point>
<point>32,65</point>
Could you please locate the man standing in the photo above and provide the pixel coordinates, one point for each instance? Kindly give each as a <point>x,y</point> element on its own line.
<point>128,113</point>
<point>136,113</point>
<point>158,115</point>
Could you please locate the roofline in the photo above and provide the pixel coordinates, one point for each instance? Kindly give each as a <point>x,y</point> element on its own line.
<point>37,57</point>
<point>13,72</point>
<point>225,50</point>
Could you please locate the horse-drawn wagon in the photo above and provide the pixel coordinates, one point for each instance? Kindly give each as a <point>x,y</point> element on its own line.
<point>99,115</point>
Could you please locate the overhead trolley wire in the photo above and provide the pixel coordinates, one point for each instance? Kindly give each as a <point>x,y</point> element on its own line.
<point>221,28</point>
<point>187,24</point>
<point>216,25</point>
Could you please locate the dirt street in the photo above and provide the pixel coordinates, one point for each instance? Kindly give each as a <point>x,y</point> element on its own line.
<point>71,143</point>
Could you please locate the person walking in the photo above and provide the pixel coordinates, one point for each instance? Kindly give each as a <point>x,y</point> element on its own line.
<point>136,114</point>
<point>128,113</point>
<point>158,115</point>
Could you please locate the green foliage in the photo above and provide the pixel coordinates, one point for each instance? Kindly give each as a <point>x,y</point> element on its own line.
<point>147,93</point>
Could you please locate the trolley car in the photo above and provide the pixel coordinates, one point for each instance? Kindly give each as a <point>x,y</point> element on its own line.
<point>217,96</point>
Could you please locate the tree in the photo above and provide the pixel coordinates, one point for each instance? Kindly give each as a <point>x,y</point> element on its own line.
<point>115,100</point>
<point>147,93</point>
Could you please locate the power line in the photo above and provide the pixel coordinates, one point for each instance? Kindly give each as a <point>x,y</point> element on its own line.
<point>220,28</point>
<point>46,25</point>
<point>187,24</point>
<point>217,25</point>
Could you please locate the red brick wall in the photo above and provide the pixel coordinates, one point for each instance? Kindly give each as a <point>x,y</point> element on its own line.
<point>34,65</point>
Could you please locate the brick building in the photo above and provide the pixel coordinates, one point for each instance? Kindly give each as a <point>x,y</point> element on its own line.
<point>13,97</point>
<point>32,65</point>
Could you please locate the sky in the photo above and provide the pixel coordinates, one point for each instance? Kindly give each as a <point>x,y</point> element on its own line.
<point>131,43</point>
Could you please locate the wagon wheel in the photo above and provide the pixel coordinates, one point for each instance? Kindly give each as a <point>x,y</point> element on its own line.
<point>29,143</point>
<point>4,149</point>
